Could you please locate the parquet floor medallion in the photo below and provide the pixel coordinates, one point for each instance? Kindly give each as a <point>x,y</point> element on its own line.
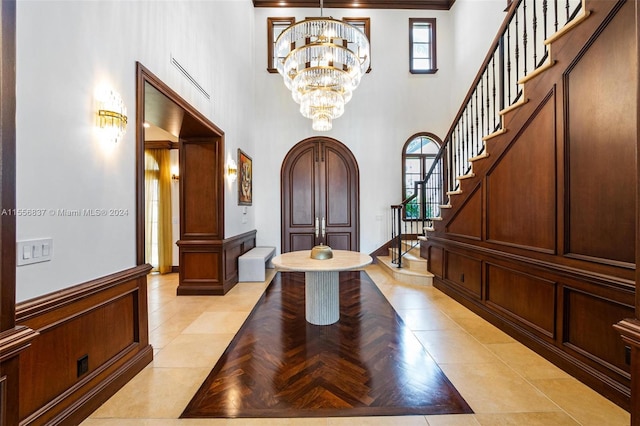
<point>367,364</point>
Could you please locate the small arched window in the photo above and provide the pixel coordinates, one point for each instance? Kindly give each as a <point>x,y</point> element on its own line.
<point>418,154</point>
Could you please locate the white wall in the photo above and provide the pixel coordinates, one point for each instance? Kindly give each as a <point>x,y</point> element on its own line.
<point>475,24</point>
<point>389,107</point>
<point>65,49</point>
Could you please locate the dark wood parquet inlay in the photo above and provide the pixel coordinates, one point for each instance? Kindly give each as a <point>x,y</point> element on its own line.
<point>367,364</point>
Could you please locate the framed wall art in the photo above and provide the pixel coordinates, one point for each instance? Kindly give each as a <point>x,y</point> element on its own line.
<point>245,179</point>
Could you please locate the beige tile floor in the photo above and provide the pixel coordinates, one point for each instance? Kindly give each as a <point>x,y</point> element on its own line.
<point>504,382</point>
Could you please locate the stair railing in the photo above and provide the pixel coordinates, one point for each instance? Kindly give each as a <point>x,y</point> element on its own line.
<point>517,50</point>
<point>408,221</point>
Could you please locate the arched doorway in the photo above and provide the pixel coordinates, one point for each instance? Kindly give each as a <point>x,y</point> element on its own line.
<point>320,186</point>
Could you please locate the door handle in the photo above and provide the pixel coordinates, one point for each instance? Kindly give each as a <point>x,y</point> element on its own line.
<point>317,228</point>
<point>324,230</point>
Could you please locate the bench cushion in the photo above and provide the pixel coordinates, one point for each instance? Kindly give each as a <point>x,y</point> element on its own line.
<point>251,265</point>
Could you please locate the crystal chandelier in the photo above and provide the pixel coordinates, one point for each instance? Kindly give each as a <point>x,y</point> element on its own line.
<point>322,61</point>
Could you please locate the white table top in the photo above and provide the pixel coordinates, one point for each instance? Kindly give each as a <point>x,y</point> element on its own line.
<point>343,260</point>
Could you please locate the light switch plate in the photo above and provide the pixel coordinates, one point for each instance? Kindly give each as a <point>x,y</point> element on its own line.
<point>34,251</point>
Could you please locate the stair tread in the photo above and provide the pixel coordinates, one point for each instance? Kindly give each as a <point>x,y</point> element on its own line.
<point>405,271</point>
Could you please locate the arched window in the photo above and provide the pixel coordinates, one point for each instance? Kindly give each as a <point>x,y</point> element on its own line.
<point>418,154</point>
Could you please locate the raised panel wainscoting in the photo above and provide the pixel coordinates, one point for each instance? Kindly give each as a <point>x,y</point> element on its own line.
<point>211,266</point>
<point>541,239</point>
<point>92,339</point>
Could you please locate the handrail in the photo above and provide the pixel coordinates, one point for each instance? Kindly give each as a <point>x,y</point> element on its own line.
<point>499,55</point>
<point>496,87</point>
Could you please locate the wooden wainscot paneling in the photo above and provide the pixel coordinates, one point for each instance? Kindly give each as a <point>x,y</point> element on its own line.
<point>560,196</point>
<point>601,147</point>
<point>200,189</point>
<point>92,339</point>
<point>588,329</point>
<point>521,187</point>
<point>435,259</point>
<point>524,298</point>
<point>464,272</point>
<point>210,267</point>
<point>201,268</point>
<point>467,222</point>
<point>12,343</point>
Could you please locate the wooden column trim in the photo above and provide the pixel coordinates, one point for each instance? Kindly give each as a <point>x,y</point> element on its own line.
<point>629,329</point>
<point>14,341</point>
<point>8,163</point>
<point>58,300</point>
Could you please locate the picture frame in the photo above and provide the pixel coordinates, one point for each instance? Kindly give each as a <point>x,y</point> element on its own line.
<point>245,179</point>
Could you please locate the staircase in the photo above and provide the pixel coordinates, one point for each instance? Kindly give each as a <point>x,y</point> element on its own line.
<point>523,173</point>
<point>520,52</point>
<point>414,268</point>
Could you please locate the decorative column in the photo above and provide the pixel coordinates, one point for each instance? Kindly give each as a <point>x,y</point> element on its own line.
<point>322,297</point>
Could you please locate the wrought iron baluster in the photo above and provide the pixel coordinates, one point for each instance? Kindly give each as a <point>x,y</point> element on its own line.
<point>524,37</point>
<point>495,112</point>
<point>461,143</point>
<point>488,100</point>
<point>508,82</point>
<point>555,10</point>
<point>466,140</point>
<point>517,55</point>
<point>474,140</point>
<point>544,18</point>
<point>535,36</point>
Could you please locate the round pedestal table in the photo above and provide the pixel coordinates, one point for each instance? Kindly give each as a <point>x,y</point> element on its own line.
<point>322,281</point>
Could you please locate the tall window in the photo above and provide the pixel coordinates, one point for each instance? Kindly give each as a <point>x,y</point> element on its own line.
<point>364,25</point>
<point>417,158</point>
<point>422,45</point>
<point>275,26</point>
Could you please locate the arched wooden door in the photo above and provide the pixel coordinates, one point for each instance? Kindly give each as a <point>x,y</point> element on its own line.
<point>320,196</point>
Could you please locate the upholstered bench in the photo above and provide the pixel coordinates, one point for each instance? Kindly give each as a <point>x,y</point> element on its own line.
<point>251,265</point>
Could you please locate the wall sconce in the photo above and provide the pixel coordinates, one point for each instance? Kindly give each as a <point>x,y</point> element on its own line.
<point>112,114</point>
<point>232,170</point>
<point>175,174</point>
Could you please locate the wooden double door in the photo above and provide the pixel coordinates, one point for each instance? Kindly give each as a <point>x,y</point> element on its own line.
<point>320,196</point>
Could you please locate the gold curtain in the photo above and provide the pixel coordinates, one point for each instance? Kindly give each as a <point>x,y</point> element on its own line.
<point>158,178</point>
<point>151,175</point>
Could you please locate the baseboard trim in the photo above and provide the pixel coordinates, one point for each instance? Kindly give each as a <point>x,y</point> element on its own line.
<point>105,319</point>
<point>597,380</point>
<point>93,399</point>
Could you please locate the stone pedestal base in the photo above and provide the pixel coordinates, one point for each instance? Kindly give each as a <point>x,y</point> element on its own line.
<point>322,297</point>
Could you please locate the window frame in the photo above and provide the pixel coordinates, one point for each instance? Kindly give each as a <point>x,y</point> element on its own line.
<point>271,23</point>
<point>432,47</point>
<point>422,158</point>
<point>366,23</point>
